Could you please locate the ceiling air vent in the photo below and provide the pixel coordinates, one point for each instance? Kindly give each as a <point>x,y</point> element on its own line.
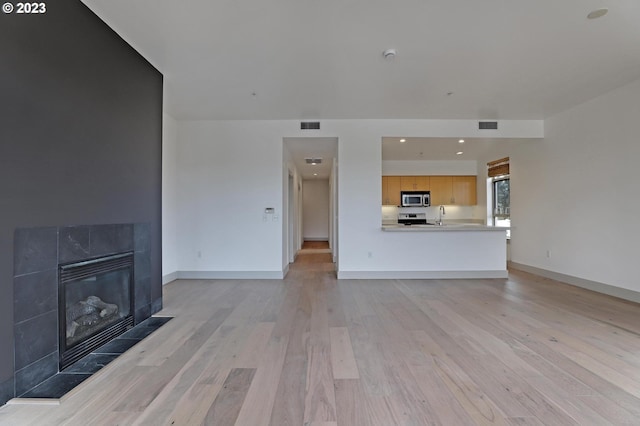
<point>488,125</point>
<point>310,125</point>
<point>313,161</point>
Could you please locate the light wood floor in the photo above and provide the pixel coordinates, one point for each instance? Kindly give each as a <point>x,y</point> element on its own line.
<point>314,256</point>
<point>311,350</point>
<point>315,245</point>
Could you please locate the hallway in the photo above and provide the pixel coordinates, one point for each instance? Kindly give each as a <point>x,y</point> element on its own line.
<point>314,256</point>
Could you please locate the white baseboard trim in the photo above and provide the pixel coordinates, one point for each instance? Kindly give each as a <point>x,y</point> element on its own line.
<point>389,275</point>
<point>596,286</point>
<point>285,270</point>
<point>230,275</point>
<point>315,239</point>
<point>166,279</point>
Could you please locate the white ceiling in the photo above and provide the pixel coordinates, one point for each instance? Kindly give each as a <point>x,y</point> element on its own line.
<point>302,148</point>
<point>413,149</point>
<point>299,59</point>
<point>443,149</point>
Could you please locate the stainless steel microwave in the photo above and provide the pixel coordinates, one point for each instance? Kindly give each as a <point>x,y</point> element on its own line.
<point>415,198</point>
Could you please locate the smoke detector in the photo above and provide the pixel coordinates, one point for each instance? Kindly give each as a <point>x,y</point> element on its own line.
<point>389,54</point>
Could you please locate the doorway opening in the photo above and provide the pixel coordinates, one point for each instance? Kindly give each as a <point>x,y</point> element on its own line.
<point>311,199</point>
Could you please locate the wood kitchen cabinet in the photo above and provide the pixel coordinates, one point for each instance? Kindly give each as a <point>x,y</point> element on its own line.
<point>391,190</point>
<point>414,183</point>
<point>458,190</point>
<point>464,190</point>
<point>441,190</point>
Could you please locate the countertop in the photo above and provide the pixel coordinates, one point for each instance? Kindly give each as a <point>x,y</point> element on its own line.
<point>440,228</point>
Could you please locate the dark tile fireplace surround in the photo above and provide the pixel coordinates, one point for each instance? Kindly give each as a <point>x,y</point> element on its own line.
<point>37,254</point>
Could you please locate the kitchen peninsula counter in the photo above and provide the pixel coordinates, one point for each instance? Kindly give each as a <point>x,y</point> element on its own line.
<point>454,250</point>
<point>472,227</point>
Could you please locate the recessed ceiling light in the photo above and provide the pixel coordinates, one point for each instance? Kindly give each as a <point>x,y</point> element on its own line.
<point>403,140</point>
<point>313,164</point>
<point>459,153</point>
<point>315,174</point>
<point>461,141</point>
<point>597,13</point>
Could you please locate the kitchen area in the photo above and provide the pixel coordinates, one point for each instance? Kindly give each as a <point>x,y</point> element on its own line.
<point>430,204</point>
<point>430,198</point>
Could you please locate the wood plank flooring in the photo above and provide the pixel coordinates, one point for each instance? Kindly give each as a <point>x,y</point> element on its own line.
<point>314,256</point>
<point>311,350</point>
<point>315,245</point>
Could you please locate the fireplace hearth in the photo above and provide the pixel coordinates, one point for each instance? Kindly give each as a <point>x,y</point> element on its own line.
<point>95,304</point>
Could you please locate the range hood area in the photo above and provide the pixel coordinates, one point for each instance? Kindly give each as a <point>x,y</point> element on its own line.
<point>412,219</point>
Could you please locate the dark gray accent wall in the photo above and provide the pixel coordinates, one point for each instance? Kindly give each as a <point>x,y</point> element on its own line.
<point>80,139</point>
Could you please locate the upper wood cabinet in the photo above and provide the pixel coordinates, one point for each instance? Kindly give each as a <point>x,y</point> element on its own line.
<point>441,190</point>
<point>464,190</point>
<point>414,183</point>
<point>391,187</point>
<point>458,190</point>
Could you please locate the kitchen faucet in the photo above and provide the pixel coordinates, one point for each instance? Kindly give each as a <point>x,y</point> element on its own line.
<point>440,214</point>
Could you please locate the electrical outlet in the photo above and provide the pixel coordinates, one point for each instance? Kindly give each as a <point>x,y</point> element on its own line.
<point>369,255</point>
<point>199,254</point>
<point>548,253</point>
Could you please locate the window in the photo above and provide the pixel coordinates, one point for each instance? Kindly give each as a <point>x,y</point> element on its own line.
<point>501,202</point>
<point>498,194</point>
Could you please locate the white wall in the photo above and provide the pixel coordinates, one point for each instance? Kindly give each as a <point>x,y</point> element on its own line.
<point>229,171</point>
<point>315,208</point>
<point>432,168</point>
<point>288,214</point>
<point>576,193</point>
<point>169,198</point>
<point>333,211</point>
<point>292,235</point>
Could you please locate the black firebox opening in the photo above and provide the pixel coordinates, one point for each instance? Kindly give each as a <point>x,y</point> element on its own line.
<point>96,300</point>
